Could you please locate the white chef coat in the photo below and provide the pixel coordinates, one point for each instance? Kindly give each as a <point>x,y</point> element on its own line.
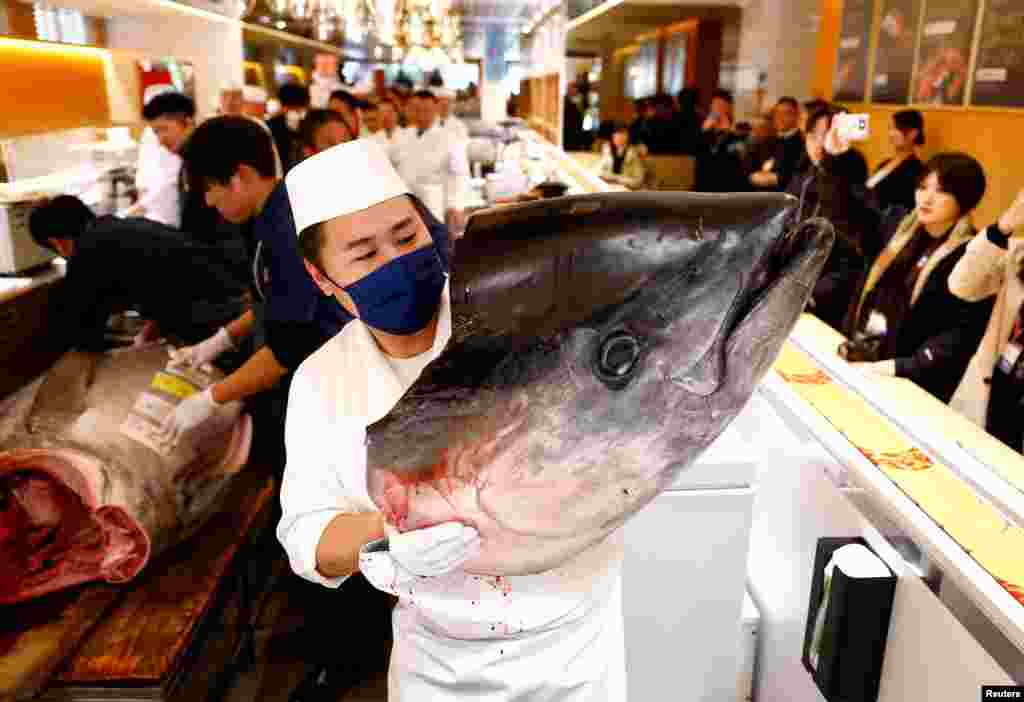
<point>553,636</point>
<point>389,141</point>
<point>457,127</point>
<point>320,89</point>
<point>436,157</point>
<point>156,178</point>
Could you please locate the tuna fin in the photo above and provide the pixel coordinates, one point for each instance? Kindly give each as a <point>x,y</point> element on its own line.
<point>62,396</point>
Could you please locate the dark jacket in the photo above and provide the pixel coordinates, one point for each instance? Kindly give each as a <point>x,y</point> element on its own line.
<point>286,141</point>
<point>789,152</point>
<point>758,152</point>
<point>720,163</point>
<point>898,188</point>
<point>299,317</point>
<point>834,190</point>
<point>940,331</point>
<point>940,335</point>
<point>187,287</point>
<point>573,136</point>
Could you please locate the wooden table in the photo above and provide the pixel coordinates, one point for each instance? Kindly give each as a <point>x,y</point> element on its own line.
<point>174,634</point>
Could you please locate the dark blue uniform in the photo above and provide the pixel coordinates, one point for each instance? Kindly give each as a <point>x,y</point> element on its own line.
<point>297,317</point>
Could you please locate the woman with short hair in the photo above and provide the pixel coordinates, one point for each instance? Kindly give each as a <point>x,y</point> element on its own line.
<point>904,320</point>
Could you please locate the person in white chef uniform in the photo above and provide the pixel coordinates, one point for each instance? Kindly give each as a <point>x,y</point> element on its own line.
<point>552,636</point>
<point>448,120</point>
<point>156,175</point>
<point>433,162</point>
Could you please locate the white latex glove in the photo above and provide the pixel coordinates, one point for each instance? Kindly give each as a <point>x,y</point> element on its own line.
<point>205,351</point>
<point>426,552</point>
<point>189,414</point>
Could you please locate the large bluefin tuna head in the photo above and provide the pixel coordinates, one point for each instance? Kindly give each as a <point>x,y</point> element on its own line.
<point>600,344</point>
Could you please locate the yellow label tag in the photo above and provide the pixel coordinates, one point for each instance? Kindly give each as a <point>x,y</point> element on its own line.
<point>172,385</point>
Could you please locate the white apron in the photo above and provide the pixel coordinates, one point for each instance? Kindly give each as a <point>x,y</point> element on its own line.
<point>579,657</point>
<point>556,636</point>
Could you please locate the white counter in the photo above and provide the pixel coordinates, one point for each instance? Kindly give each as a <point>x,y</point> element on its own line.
<point>14,286</point>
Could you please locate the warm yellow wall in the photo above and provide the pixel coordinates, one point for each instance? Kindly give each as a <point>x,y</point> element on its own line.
<point>47,87</point>
<point>994,137</point>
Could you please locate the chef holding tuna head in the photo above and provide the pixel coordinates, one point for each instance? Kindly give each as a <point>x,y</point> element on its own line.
<point>552,636</point>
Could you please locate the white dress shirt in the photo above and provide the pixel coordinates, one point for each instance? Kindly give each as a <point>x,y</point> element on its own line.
<point>156,178</point>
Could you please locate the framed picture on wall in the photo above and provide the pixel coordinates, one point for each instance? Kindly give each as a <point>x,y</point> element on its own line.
<point>851,75</point>
<point>894,52</point>
<point>945,53</point>
<point>999,73</point>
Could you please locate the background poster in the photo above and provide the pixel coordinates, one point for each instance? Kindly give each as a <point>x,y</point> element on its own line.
<point>945,51</point>
<point>852,68</point>
<point>894,55</point>
<point>999,77</point>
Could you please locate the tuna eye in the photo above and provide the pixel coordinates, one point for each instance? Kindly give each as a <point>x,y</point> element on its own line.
<point>617,358</point>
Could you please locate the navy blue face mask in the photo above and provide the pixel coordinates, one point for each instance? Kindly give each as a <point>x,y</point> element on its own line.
<point>403,296</point>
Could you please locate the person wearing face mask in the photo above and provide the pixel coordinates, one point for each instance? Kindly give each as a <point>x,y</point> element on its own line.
<point>905,319</point>
<point>827,185</point>
<point>285,126</point>
<point>992,390</point>
<point>368,245</point>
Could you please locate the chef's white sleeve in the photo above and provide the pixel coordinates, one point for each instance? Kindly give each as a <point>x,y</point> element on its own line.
<point>315,490</point>
<point>457,175</point>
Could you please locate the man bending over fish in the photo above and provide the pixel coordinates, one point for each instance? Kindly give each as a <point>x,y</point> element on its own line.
<point>115,264</point>
<point>472,443</point>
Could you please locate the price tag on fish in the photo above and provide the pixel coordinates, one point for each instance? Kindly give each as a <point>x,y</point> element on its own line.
<point>146,433</point>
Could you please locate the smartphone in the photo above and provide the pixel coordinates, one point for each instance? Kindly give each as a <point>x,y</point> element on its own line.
<point>853,127</point>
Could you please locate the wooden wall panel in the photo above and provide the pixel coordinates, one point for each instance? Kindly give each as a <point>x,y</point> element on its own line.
<point>47,87</point>
<point>987,134</point>
<point>20,20</point>
<point>703,64</point>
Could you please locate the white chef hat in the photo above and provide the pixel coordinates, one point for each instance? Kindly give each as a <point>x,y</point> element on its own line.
<point>153,90</point>
<point>341,180</point>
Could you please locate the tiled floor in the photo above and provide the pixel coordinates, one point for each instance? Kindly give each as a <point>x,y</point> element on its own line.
<point>280,665</point>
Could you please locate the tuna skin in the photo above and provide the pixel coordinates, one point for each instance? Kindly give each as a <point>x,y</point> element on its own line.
<point>599,346</point>
<point>80,500</point>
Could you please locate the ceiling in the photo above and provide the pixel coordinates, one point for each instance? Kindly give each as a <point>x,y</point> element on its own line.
<point>622,23</point>
<point>495,11</point>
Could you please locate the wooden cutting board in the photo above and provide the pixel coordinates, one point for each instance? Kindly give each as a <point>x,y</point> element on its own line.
<point>37,637</point>
<point>134,633</point>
